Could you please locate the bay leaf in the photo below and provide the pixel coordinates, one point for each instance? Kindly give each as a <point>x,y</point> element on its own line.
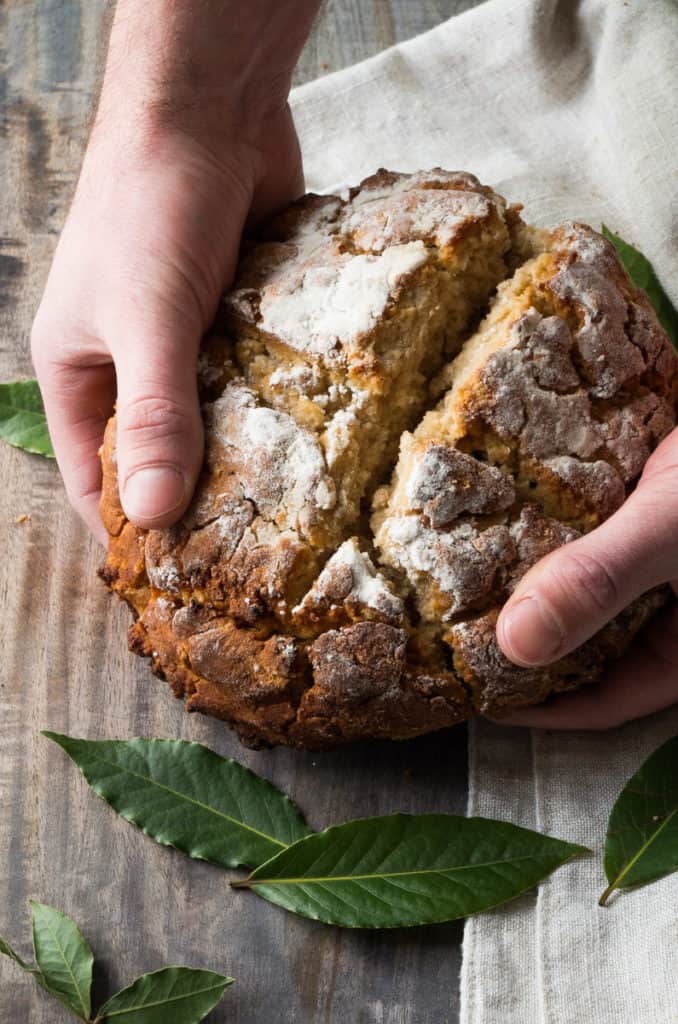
<point>403,870</point>
<point>642,273</point>
<point>641,844</point>
<point>180,995</point>
<point>64,958</point>
<point>22,417</point>
<point>7,950</point>
<point>184,795</point>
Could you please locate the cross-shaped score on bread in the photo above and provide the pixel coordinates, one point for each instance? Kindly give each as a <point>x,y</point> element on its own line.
<point>410,396</point>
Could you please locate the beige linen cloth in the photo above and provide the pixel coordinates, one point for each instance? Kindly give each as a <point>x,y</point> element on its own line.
<point>572,109</point>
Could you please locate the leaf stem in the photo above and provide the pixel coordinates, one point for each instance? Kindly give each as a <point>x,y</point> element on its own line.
<point>608,892</point>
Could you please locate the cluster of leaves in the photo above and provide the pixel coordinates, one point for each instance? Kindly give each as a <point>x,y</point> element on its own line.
<point>385,872</point>
<point>393,871</point>
<point>63,967</point>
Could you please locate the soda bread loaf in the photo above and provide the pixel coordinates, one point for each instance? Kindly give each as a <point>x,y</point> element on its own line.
<point>410,396</point>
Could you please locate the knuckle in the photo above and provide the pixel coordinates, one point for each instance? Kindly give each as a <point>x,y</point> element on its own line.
<point>589,581</point>
<point>81,491</point>
<point>146,418</point>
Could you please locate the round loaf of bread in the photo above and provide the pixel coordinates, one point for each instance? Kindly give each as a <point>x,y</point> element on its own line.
<point>409,396</point>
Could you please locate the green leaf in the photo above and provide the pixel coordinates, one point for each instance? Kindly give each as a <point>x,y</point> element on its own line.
<point>173,995</point>
<point>13,955</point>
<point>184,795</point>
<point>180,995</point>
<point>407,870</point>
<point>642,834</point>
<point>22,417</point>
<point>641,272</point>
<point>63,957</point>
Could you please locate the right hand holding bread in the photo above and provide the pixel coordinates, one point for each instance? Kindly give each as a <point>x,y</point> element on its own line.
<point>577,589</point>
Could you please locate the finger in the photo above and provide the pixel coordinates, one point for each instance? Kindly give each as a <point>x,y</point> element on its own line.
<point>569,595</point>
<point>643,681</point>
<point>78,401</point>
<point>160,432</point>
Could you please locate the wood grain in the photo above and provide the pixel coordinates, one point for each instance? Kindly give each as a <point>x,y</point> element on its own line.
<point>65,665</point>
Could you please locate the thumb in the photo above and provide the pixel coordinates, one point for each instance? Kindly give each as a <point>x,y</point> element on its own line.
<point>159,431</point>
<point>573,592</point>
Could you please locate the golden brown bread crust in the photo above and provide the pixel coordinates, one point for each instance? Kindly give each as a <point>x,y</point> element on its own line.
<point>276,603</point>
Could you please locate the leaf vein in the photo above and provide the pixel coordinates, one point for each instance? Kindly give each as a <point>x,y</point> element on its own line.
<point>177,793</point>
<point>453,869</point>
<point>162,1002</point>
<point>68,967</point>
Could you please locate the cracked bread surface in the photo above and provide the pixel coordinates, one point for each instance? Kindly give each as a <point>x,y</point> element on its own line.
<point>409,397</point>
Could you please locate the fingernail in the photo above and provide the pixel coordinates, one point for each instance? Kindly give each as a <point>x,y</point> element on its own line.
<point>153,492</point>
<point>531,633</point>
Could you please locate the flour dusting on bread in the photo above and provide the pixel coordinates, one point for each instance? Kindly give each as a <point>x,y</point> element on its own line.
<point>410,397</point>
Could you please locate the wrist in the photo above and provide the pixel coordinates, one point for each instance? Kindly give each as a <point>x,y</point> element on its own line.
<point>218,67</point>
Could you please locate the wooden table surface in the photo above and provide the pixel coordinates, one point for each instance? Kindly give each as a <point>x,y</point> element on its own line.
<point>65,665</point>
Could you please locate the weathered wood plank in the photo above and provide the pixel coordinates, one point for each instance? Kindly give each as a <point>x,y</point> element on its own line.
<point>65,666</point>
<point>351,30</point>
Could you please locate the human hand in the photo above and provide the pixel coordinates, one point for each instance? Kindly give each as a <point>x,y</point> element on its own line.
<point>573,592</point>
<point>177,163</point>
